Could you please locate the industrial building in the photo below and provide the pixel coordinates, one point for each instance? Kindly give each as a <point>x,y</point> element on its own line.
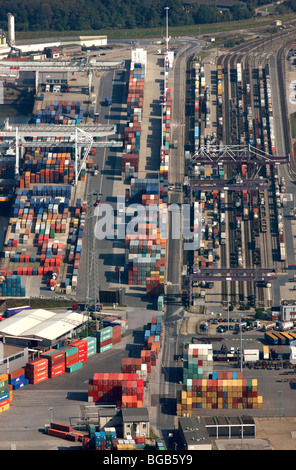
<point>12,357</point>
<point>193,434</point>
<point>288,310</point>
<point>62,51</point>
<point>41,328</point>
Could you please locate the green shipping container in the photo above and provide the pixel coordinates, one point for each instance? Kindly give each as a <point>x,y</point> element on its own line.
<point>105,348</point>
<point>74,367</point>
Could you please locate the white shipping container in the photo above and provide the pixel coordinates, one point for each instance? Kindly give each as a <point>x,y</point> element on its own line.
<point>251,355</point>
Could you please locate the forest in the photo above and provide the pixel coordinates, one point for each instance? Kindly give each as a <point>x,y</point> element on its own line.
<point>79,15</point>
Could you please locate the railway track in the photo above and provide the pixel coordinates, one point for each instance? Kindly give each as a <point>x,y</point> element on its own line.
<point>258,236</point>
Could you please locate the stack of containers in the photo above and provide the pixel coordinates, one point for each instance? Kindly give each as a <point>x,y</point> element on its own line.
<point>104,339</point>
<point>135,365</point>
<point>132,393</point>
<point>146,251</point>
<point>100,440</point>
<point>116,334</point>
<point>233,392</point>
<point>146,359</point>
<point>81,344</point>
<point>47,167</point>
<point>118,320</point>
<point>71,356</point>
<point>5,396</point>
<point>11,286</point>
<point>106,388</point>
<point>17,378</point>
<point>165,144</point>
<point>37,370</point>
<point>198,361</point>
<point>91,345</point>
<point>56,362</point>
<point>132,133</point>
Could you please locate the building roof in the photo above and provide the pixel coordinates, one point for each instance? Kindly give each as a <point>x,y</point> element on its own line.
<point>194,431</point>
<point>135,414</point>
<point>40,323</point>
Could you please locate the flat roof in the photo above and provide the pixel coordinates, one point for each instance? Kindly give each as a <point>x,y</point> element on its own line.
<point>40,323</point>
<point>131,414</point>
<point>194,431</point>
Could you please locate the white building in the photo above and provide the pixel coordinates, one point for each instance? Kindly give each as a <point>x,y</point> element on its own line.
<point>40,327</point>
<point>288,310</point>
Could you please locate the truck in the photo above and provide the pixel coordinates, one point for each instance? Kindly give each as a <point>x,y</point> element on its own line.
<point>175,144</point>
<point>96,170</point>
<point>285,325</point>
<point>108,101</point>
<point>268,326</point>
<point>13,311</point>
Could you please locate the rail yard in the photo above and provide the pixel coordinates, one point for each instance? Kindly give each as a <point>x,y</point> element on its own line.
<point>156,128</point>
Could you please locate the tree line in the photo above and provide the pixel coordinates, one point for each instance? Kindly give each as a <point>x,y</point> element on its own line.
<point>78,15</point>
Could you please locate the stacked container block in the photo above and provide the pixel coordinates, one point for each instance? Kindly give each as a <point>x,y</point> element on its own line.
<point>47,165</point>
<point>18,379</point>
<point>58,113</point>
<point>104,339</point>
<point>220,393</point>
<point>36,371</point>
<point>124,389</point>
<point>71,355</point>
<point>91,345</point>
<point>82,349</point>
<point>56,362</point>
<point>198,361</point>
<point>132,132</point>
<point>6,392</point>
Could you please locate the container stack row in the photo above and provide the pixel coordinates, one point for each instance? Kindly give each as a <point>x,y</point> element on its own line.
<point>42,165</point>
<point>146,249</point>
<point>132,132</point>
<point>41,220</point>
<point>198,361</point>
<point>60,112</point>
<point>7,385</point>
<point>165,144</point>
<point>112,387</point>
<point>219,394</point>
<point>10,285</point>
<point>107,337</point>
<point>207,389</point>
<point>196,105</point>
<point>109,440</point>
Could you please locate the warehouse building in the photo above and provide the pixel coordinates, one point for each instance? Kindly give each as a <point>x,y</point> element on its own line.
<point>233,427</point>
<point>41,328</point>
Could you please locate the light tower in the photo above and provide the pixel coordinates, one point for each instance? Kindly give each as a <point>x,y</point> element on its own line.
<point>11,30</point>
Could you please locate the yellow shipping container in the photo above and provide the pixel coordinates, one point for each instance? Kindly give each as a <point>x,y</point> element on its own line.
<point>4,407</point>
